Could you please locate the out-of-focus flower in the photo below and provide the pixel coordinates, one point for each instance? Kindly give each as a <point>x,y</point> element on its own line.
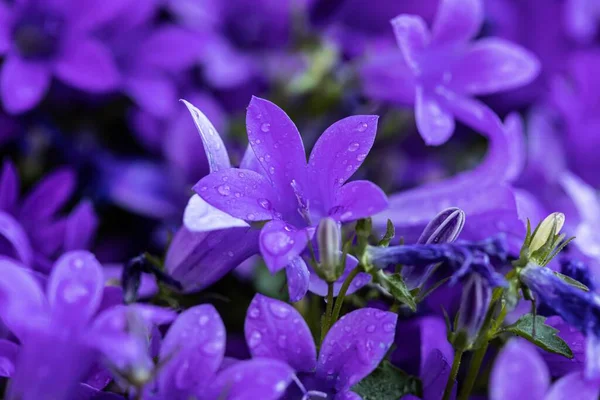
<point>582,19</point>
<point>352,349</point>
<point>41,39</point>
<point>34,234</point>
<point>520,372</point>
<point>474,304</point>
<point>60,332</point>
<point>439,71</point>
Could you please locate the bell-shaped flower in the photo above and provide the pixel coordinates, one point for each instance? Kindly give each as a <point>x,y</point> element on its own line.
<point>439,70</point>
<point>352,349</point>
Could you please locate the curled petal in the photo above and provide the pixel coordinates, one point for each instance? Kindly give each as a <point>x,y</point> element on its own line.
<point>48,196</point>
<point>434,121</point>
<point>412,36</point>
<point>354,347</point>
<point>276,330</point>
<point>457,20</point>
<point>81,227</point>
<point>520,362</point>
<point>15,235</point>
<point>8,357</point>
<point>193,350</point>
<point>280,243</point>
<point>298,278</point>
<point>199,216</point>
<point>75,287</point>
<point>358,199</point>
<point>23,84</point>
<point>240,193</point>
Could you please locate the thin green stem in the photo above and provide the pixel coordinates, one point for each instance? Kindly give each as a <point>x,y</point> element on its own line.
<point>453,373</point>
<point>474,367</point>
<point>326,321</point>
<point>340,298</point>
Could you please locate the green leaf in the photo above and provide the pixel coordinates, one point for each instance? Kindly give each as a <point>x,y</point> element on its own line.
<point>387,383</point>
<point>390,232</point>
<point>396,286</point>
<point>571,281</point>
<point>545,335</point>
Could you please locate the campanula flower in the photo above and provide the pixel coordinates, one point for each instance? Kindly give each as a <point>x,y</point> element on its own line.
<point>32,225</point>
<point>60,331</point>
<point>288,193</point>
<point>41,39</point>
<point>352,349</point>
<point>520,372</point>
<point>439,70</point>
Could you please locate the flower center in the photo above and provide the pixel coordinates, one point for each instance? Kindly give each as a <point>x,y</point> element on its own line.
<point>37,35</point>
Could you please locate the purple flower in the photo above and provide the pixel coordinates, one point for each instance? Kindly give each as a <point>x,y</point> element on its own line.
<point>436,69</point>
<point>352,349</point>
<point>40,39</point>
<point>31,226</point>
<point>582,18</point>
<point>520,372</point>
<point>59,331</point>
<point>288,193</point>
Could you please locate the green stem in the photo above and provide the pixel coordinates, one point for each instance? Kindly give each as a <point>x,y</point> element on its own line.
<point>453,373</point>
<point>340,298</point>
<point>474,367</point>
<point>326,322</point>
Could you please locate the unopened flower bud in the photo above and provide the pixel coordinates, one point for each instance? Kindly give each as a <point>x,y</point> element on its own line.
<point>474,304</point>
<point>547,230</point>
<point>444,227</point>
<point>329,239</point>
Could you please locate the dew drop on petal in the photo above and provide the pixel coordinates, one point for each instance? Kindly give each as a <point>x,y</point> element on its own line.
<point>280,386</point>
<point>265,127</point>
<point>389,327</point>
<point>255,338</point>
<point>250,217</point>
<point>277,243</point>
<point>362,127</point>
<point>361,157</point>
<point>349,168</point>
<point>264,203</point>
<point>254,312</point>
<point>224,190</point>
<point>353,146</point>
<point>280,311</point>
<point>203,320</point>
<point>282,341</point>
<point>370,329</point>
<point>271,170</point>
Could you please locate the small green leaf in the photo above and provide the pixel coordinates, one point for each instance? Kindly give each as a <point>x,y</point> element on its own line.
<point>545,335</point>
<point>396,286</point>
<point>387,383</point>
<point>390,232</point>
<point>571,281</point>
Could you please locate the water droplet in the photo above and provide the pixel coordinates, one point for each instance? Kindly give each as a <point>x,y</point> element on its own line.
<point>241,174</point>
<point>280,386</point>
<point>211,131</point>
<point>272,170</point>
<point>261,159</point>
<point>389,327</point>
<point>250,217</point>
<point>282,341</point>
<point>346,215</point>
<point>257,141</point>
<point>255,338</point>
<point>361,157</point>
<point>279,310</point>
<point>340,180</point>
<point>267,157</point>
<point>213,347</point>
<point>353,146</point>
<point>349,168</point>
<point>238,194</point>
<point>203,320</point>
<point>217,146</point>
<point>347,328</point>
<point>264,203</point>
<point>254,312</point>
<point>277,242</point>
<point>73,292</point>
<point>362,127</point>
<point>224,190</point>
<point>265,127</point>
<point>230,253</point>
<point>370,329</point>
<point>204,188</point>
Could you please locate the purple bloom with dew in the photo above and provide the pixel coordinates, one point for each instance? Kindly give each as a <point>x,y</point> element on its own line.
<point>65,330</point>
<point>352,349</point>
<point>435,70</point>
<point>520,372</point>
<point>42,39</point>
<point>33,230</point>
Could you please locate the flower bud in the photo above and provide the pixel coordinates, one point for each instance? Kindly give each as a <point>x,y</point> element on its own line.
<point>329,239</point>
<point>547,230</point>
<point>444,227</point>
<point>474,304</point>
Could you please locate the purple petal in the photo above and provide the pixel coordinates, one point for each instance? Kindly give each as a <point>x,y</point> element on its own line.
<point>198,259</point>
<point>500,65</point>
<point>8,357</point>
<point>358,199</point>
<point>23,84</point>
<point>412,36</point>
<point>199,216</point>
<point>249,161</point>
<point>75,287</point>
<point>338,153</point>
<point>88,65</point>
<point>560,365</point>
<point>15,235</point>
<point>319,286</point>
<point>572,385</point>
<point>81,227</point>
<point>90,15</point>
<point>457,20</point>
<point>434,120</point>
<point>520,362</point>
<point>171,48</point>
<point>155,94</point>
<point>276,330</point>
<point>21,296</point>
<point>193,350</point>
<point>386,77</point>
<point>280,243</point>
<point>241,193</point>
<point>435,373</point>
<point>354,347</point>
<point>277,145</point>
<point>9,187</point>
<point>513,127</point>
<point>298,278</point>
<point>5,27</point>
<point>259,378</point>
<point>215,150</point>
<point>47,197</point>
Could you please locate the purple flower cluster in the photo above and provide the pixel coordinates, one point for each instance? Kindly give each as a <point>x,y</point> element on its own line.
<point>299,199</point>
